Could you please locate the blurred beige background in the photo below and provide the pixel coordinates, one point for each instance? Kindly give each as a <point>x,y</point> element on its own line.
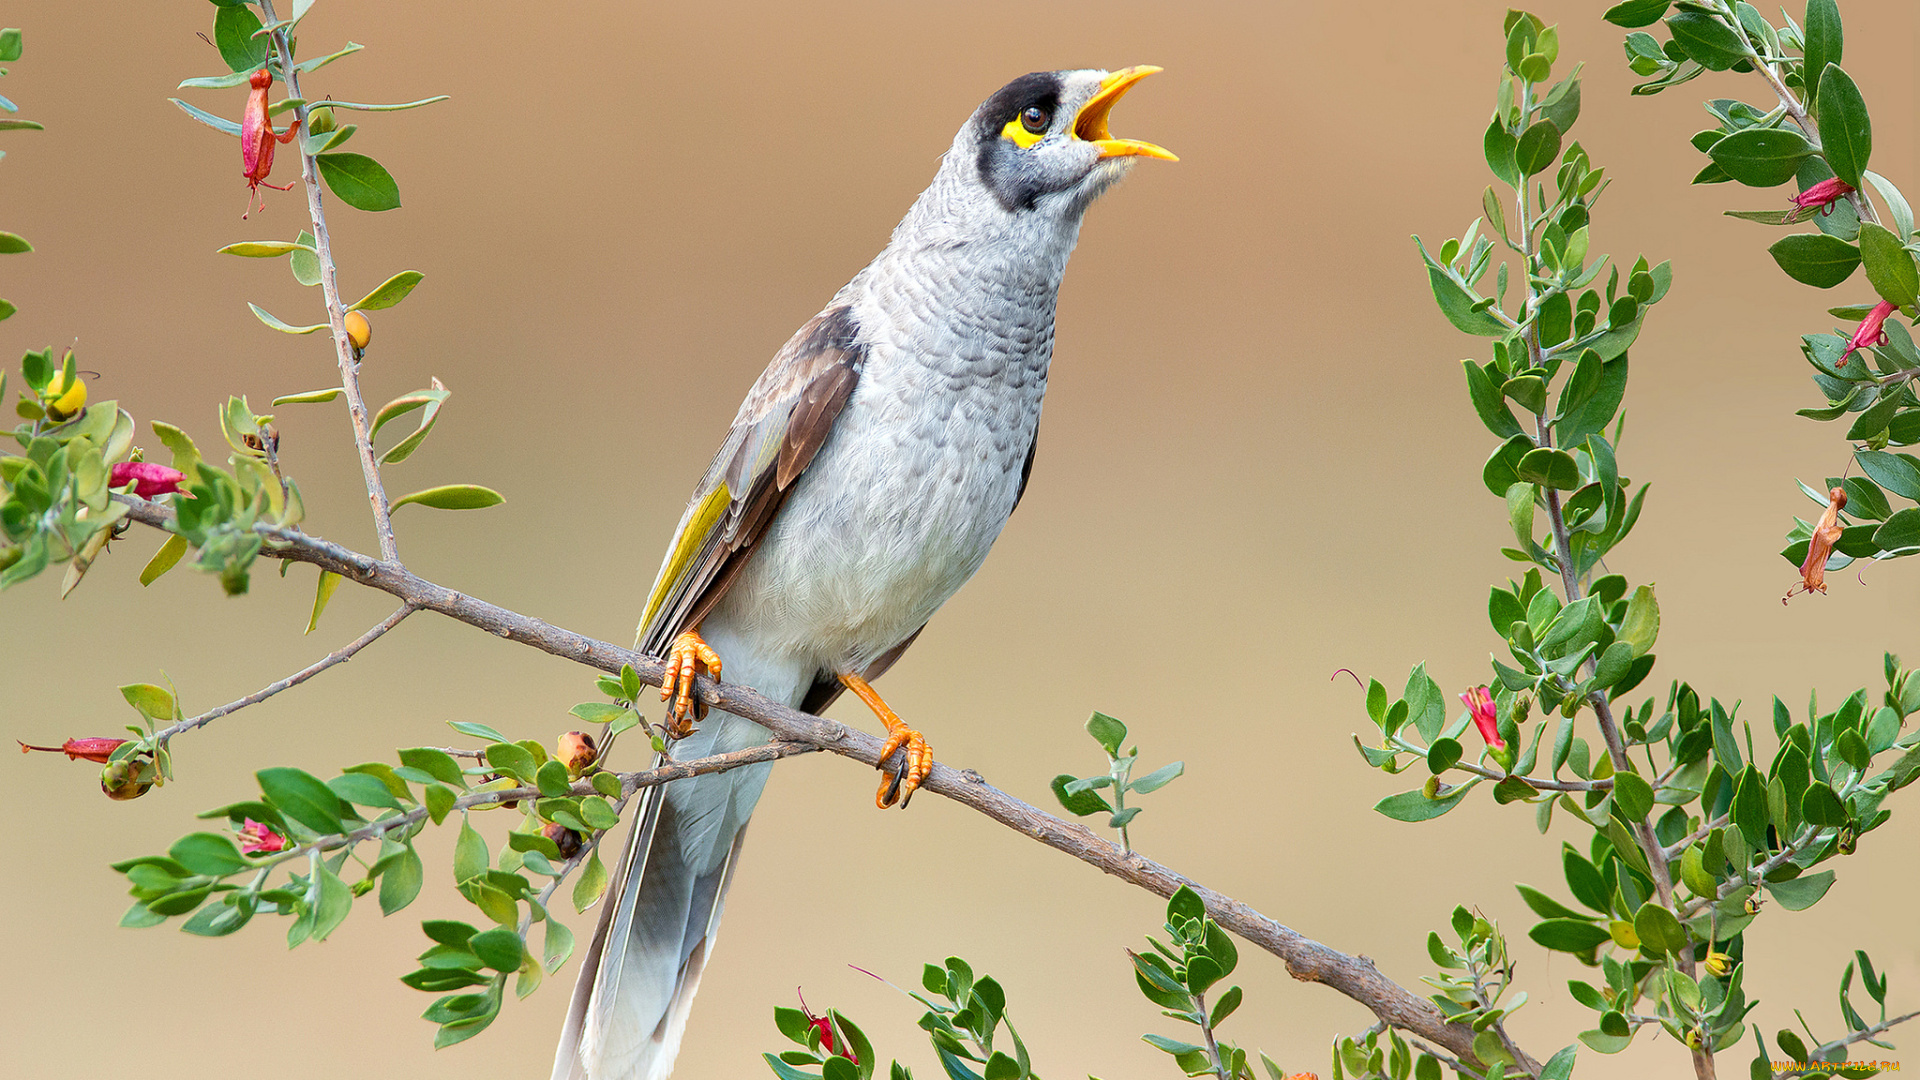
<point>1258,466</point>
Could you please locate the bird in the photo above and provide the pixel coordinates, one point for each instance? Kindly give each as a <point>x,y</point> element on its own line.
<point>861,483</point>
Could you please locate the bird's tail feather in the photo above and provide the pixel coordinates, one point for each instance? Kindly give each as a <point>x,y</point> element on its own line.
<point>657,931</point>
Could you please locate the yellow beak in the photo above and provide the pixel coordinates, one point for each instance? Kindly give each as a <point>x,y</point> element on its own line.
<point>1091,124</point>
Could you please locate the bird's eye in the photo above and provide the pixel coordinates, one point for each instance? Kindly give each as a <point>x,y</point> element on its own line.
<point>1035,119</point>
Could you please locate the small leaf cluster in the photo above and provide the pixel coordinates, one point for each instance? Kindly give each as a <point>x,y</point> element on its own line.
<point>1080,796</point>
<point>1473,981</point>
<point>850,1059</point>
<point>371,814</point>
<point>1177,975</point>
<point>1819,135</point>
<point>964,1015</point>
<point>219,520</point>
<point>248,44</point>
<point>1829,1058</point>
<point>54,503</point>
<point>12,243</point>
<point>1758,829</point>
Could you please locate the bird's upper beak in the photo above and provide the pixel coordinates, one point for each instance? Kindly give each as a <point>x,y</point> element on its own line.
<point>1091,124</point>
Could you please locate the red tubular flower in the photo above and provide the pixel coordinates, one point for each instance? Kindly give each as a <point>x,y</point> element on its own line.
<point>149,478</point>
<point>1823,195</point>
<point>257,839</point>
<point>1480,702</point>
<point>825,1027</point>
<point>1813,572</point>
<point>75,749</point>
<point>1871,331</point>
<point>257,138</point>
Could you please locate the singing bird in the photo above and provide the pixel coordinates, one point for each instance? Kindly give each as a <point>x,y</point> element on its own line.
<point>865,476</point>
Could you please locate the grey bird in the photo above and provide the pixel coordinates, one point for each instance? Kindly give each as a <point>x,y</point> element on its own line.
<point>870,468</point>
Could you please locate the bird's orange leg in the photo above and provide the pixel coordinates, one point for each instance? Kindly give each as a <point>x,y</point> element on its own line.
<point>690,655</point>
<point>919,759</point>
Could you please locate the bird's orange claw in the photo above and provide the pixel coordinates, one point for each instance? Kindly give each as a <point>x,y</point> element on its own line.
<point>689,656</point>
<point>916,763</point>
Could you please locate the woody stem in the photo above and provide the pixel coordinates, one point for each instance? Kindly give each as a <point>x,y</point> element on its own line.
<point>336,314</point>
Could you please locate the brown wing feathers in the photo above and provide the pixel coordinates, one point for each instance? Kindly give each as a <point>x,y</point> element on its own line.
<point>793,407</point>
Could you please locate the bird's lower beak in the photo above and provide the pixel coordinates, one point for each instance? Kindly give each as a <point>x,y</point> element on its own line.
<point>1091,124</point>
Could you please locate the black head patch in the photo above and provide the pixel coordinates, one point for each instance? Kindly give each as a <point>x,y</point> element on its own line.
<point>1042,88</point>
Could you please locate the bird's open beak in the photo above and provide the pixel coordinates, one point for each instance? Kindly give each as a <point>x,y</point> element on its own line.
<point>1091,124</point>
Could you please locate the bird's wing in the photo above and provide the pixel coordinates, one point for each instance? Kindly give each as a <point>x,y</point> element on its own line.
<point>781,425</point>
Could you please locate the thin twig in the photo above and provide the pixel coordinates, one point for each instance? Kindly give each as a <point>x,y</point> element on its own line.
<point>336,314</point>
<point>1306,959</point>
<point>1820,1052</point>
<point>338,656</point>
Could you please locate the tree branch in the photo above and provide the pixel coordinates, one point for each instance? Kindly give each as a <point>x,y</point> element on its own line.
<point>1306,959</point>
<point>336,315</point>
<point>338,656</point>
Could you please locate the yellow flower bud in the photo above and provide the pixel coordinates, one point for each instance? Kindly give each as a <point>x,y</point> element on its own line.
<point>1718,964</point>
<point>320,120</point>
<point>577,752</point>
<point>359,331</point>
<point>64,402</point>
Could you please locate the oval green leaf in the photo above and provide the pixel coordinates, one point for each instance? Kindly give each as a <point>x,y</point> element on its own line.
<point>1846,133</point>
<point>1761,157</point>
<point>391,291</point>
<point>453,497</point>
<point>359,181</point>
<point>1815,259</point>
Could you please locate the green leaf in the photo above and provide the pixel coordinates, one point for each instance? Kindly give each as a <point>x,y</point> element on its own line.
<point>439,799</point>
<point>1636,13</point>
<point>335,901</point>
<point>500,948</point>
<point>558,945</point>
<point>9,45</point>
<point>1659,930</point>
<point>164,559</point>
<point>212,854</point>
<point>1415,806</point>
<point>1489,402</point>
<point>1080,803</point>
<point>591,883</point>
<point>1538,148</point>
<point>434,762</point>
<point>513,759</point>
<point>1761,157</point>
<point>1815,259</point>
<point>323,592</point>
<point>217,123</point>
<point>1824,42</point>
<point>1846,134</point>
<point>262,249</point>
<point>1158,778</point>
<point>233,32</point>
<point>358,180</point>
<point>1820,806</point>
<point>285,328</point>
<point>1802,892</point>
<point>391,291</point>
<point>453,497</point>
<point>1898,473</point>
<point>400,882</point>
<point>1549,468</point>
<point>470,858</point>
<point>302,797</point>
<point>1568,935</point>
<point>1546,906</point>
<point>1706,40</point>
<point>1633,795</point>
<point>1108,732</point>
<point>431,400</point>
<point>310,397</point>
<point>1889,265</point>
<point>305,263</point>
<point>363,107</point>
<point>1901,533</point>
<point>1462,307</point>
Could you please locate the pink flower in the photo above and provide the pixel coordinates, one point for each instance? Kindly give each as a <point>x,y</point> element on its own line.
<point>1871,331</point>
<point>149,478</point>
<point>75,749</point>
<point>1480,702</point>
<point>825,1027</point>
<point>257,839</point>
<point>1823,195</point>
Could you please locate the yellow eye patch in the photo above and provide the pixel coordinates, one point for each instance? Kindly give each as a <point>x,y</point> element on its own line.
<point>1018,132</point>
